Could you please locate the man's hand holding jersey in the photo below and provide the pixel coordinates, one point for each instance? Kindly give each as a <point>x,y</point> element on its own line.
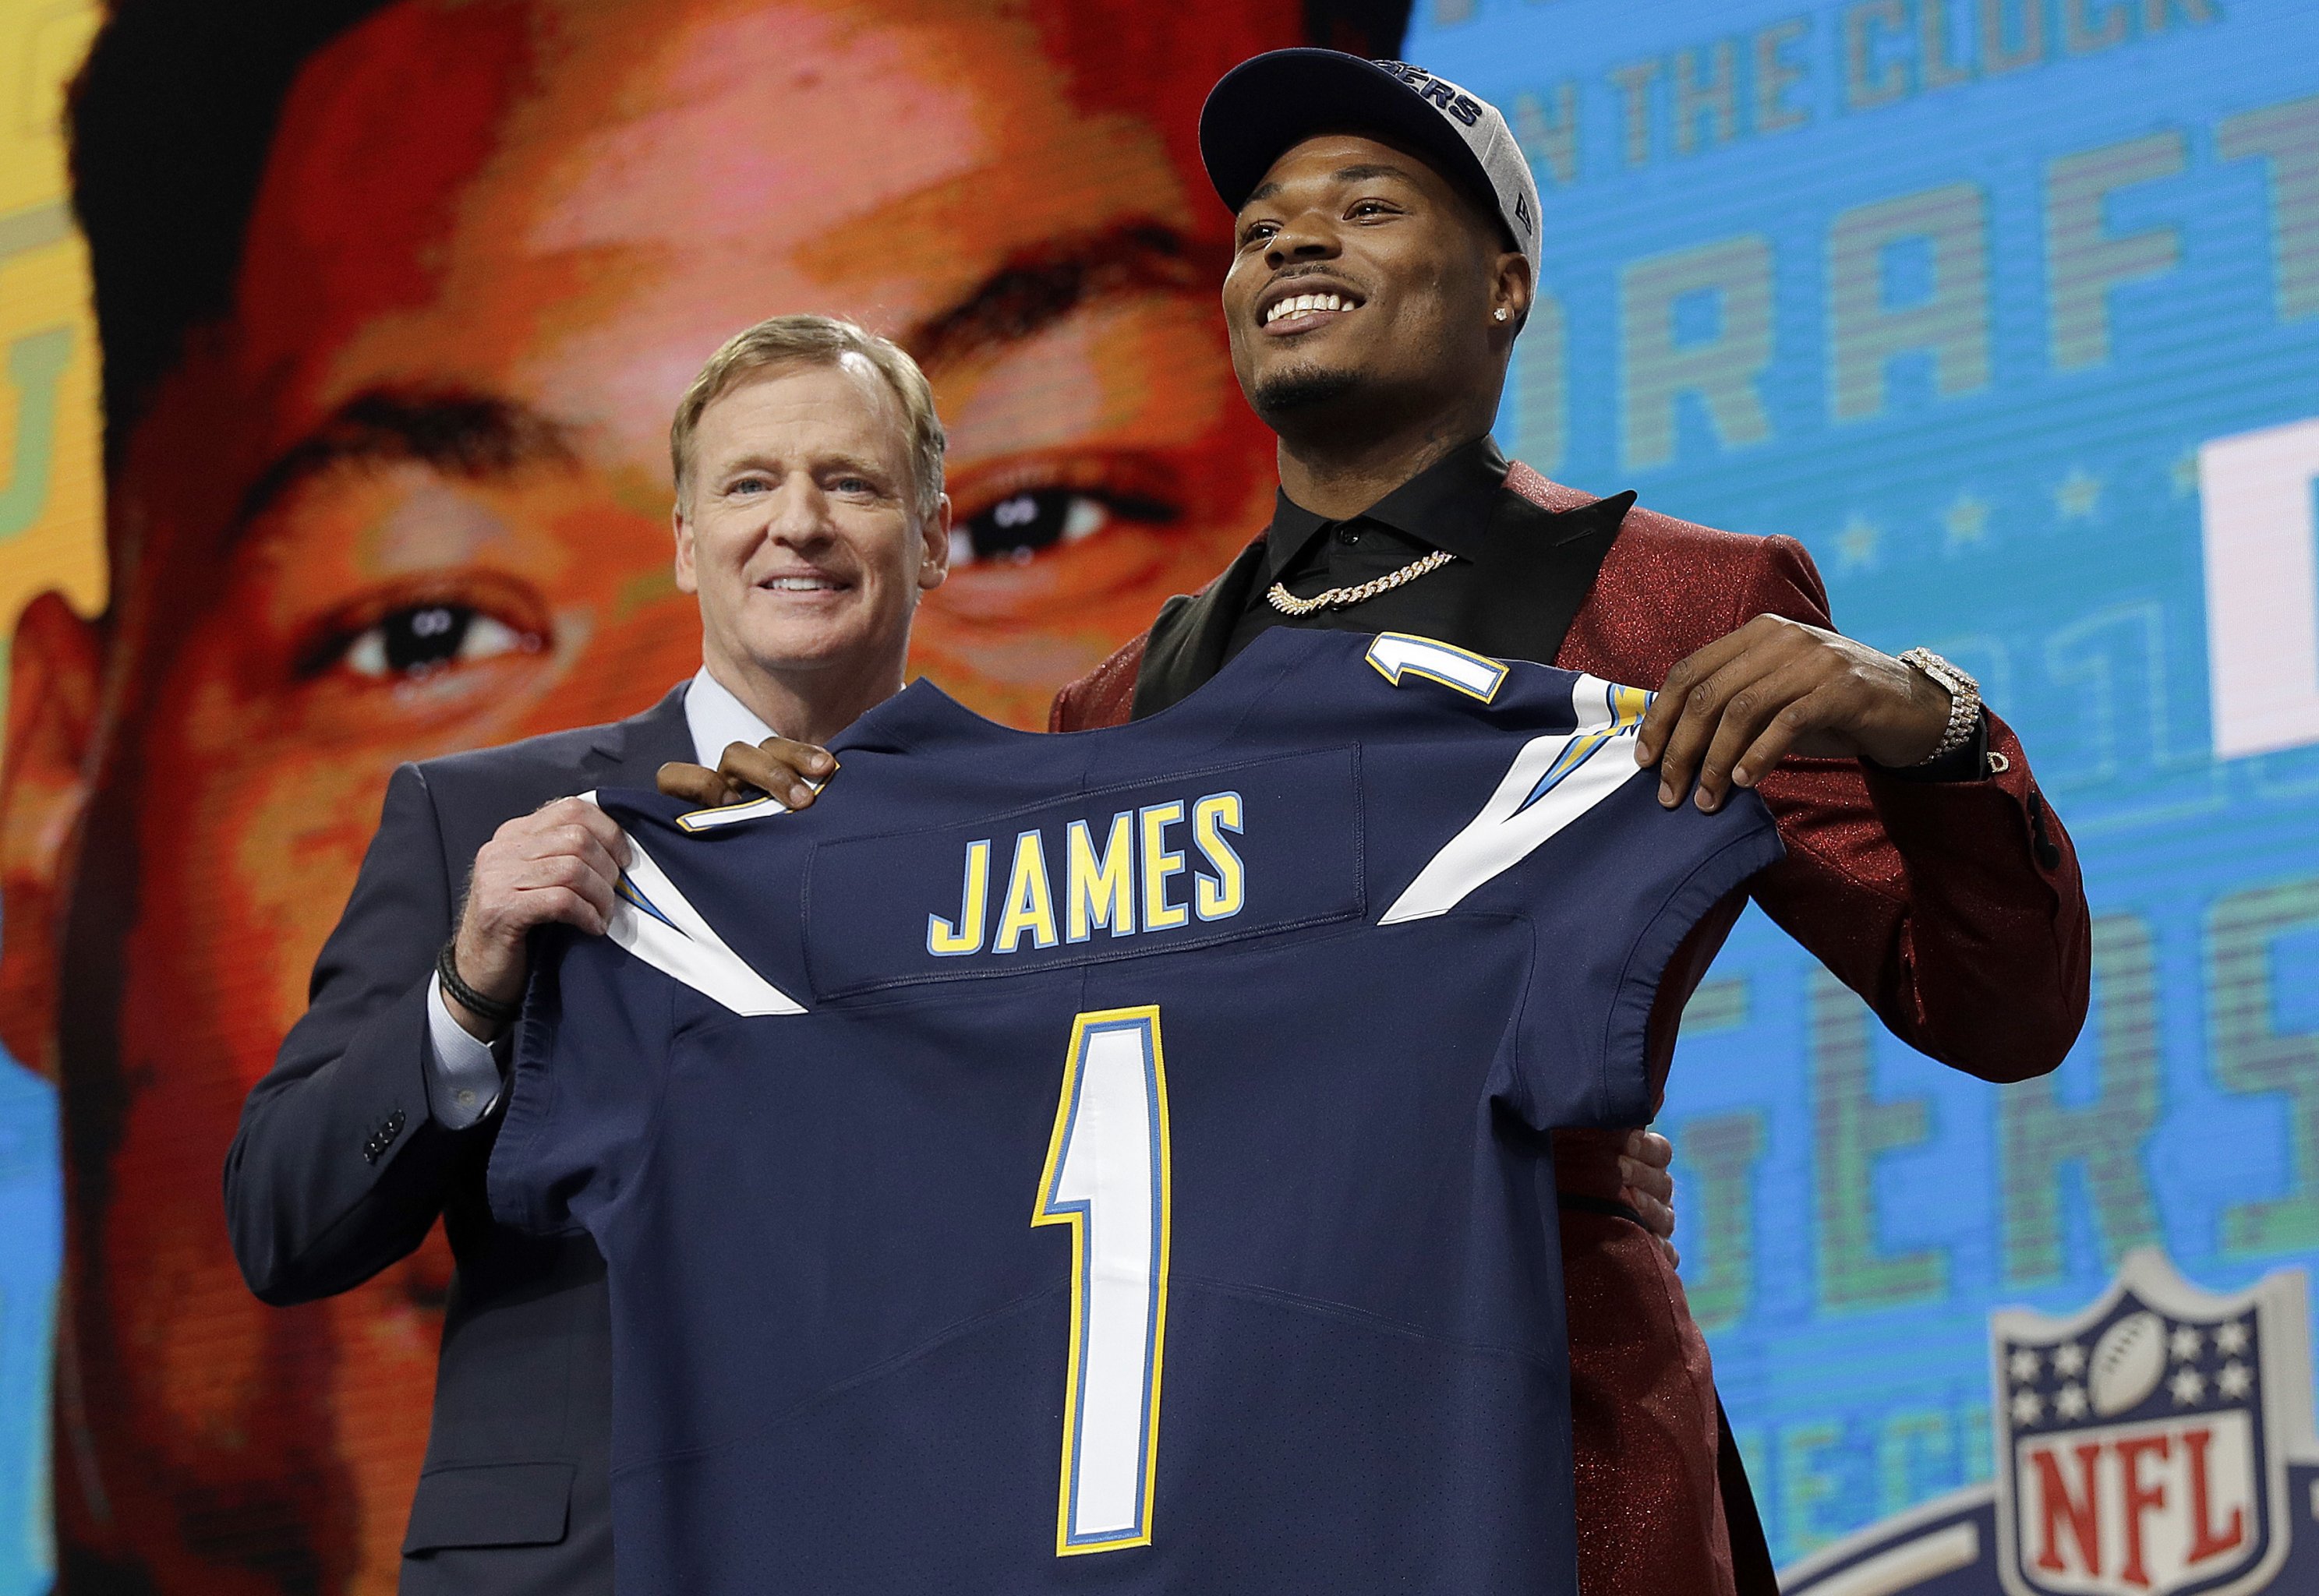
<point>786,770</point>
<point>558,865</point>
<point>1734,708</point>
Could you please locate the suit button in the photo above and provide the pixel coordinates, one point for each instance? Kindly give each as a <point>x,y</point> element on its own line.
<point>2048,852</point>
<point>380,1138</point>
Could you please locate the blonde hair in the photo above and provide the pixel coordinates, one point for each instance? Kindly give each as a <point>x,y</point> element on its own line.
<point>817,340</point>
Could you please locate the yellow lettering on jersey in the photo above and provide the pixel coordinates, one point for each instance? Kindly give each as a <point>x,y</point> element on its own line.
<point>1030,905</point>
<point>1100,891</point>
<point>1159,862</point>
<point>1225,893</point>
<point>946,940</point>
<point>1100,884</point>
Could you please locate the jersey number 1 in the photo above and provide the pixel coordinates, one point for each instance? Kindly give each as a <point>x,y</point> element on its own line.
<point>1107,1178</point>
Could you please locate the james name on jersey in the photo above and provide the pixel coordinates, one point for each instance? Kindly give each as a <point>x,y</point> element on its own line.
<point>1142,844</point>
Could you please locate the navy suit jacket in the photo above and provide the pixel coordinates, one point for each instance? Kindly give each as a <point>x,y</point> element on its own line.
<point>339,1170</point>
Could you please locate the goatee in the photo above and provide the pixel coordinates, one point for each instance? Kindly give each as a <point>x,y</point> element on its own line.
<point>1300,388</point>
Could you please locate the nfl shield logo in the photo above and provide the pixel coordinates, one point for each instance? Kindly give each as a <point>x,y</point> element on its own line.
<point>2133,1441</point>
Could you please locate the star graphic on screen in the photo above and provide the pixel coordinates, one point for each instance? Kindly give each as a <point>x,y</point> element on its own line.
<point>2072,1403</point>
<point>2234,1381</point>
<point>2186,1342</point>
<point>2188,1385</point>
<point>2079,494</point>
<point>2069,1360</point>
<point>2231,1338</point>
<point>2184,473</point>
<point>2027,1405</point>
<point>1967,520</point>
<point>2024,1365</point>
<point>1857,543</point>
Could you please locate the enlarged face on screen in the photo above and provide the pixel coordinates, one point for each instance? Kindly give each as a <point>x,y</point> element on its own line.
<point>411,496</point>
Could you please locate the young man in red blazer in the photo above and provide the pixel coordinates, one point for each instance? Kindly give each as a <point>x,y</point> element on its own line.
<point>1387,256</point>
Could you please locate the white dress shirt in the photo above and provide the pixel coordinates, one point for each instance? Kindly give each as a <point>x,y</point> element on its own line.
<point>463,1076</point>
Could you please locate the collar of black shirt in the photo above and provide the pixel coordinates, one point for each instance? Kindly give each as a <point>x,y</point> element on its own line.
<point>1448,505</point>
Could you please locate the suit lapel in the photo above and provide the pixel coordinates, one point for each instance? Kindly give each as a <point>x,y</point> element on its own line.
<point>631,752</point>
<point>1548,560</point>
<point>1189,640</point>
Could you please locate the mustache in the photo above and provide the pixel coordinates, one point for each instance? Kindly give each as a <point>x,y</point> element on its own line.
<point>1316,269</point>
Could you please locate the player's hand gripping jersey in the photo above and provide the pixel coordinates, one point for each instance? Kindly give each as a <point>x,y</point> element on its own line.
<point>1115,1161</point>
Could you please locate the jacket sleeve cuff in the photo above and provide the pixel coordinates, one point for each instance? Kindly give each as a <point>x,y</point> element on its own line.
<point>1967,762</point>
<point>1995,831</point>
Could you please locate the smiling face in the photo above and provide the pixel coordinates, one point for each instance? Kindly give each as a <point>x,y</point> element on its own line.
<point>1362,290</point>
<point>800,534</point>
<point>411,496</point>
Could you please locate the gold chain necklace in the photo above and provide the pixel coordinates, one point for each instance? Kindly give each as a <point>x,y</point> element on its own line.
<point>1289,603</point>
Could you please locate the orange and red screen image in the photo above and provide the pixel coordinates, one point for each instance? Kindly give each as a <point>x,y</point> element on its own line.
<point>395,483</point>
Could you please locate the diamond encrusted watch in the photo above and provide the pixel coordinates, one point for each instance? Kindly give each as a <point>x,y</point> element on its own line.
<point>1964,699</point>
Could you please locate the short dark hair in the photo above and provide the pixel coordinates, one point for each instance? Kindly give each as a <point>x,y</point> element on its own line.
<point>171,120</point>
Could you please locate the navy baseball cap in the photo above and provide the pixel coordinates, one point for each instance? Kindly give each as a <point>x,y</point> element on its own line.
<point>1268,103</point>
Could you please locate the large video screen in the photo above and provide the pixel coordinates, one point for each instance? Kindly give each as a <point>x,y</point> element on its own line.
<point>2008,310</point>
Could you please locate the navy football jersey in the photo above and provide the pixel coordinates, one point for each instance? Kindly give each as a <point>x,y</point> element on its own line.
<point>1116,1161</point>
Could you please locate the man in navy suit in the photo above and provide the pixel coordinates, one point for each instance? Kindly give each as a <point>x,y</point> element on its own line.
<point>809,519</point>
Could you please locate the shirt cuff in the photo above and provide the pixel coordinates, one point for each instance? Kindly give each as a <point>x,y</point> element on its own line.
<point>1967,762</point>
<point>462,1075</point>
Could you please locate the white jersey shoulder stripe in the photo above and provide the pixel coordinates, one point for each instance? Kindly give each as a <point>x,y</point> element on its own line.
<point>1552,781</point>
<point>655,923</point>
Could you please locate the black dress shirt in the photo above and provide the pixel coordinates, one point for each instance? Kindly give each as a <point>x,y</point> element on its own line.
<point>1452,505</point>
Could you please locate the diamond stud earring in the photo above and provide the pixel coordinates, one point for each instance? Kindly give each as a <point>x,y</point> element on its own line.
<point>1500,313</point>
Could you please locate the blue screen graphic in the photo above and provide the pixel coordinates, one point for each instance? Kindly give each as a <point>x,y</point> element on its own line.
<point>2008,310</point>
